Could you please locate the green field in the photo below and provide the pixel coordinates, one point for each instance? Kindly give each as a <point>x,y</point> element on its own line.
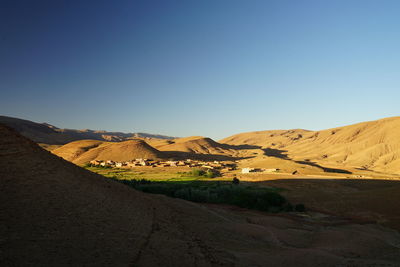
<point>159,175</point>
<point>191,185</point>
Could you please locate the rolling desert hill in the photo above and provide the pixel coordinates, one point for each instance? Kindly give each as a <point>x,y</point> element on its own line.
<point>192,144</point>
<point>55,213</point>
<point>271,138</point>
<point>51,135</point>
<point>371,145</point>
<point>199,147</point>
<point>83,151</point>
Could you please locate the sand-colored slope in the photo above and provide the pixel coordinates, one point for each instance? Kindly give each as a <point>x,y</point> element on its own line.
<point>193,144</point>
<point>374,145</point>
<point>54,213</point>
<point>272,138</point>
<point>284,166</point>
<point>74,150</point>
<point>83,151</point>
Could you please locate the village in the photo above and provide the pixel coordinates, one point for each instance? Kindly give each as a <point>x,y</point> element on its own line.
<point>214,165</point>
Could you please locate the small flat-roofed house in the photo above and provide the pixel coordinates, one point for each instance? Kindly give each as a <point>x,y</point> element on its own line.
<point>119,164</point>
<point>208,167</point>
<point>95,162</point>
<point>247,170</point>
<point>172,163</point>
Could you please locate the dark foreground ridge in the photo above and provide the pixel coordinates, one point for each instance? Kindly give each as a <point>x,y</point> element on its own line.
<point>54,213</point>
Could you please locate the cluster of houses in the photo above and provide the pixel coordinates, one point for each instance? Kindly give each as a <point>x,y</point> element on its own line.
<point>217,165</point>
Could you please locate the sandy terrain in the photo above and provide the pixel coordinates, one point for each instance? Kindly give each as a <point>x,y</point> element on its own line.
<point>371,145</point>
<point>83,151</point>
<point>55,213</point>
<point>352,149</point>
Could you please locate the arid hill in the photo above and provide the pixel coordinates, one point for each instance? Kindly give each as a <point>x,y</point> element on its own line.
<point>271,138</point>
<point>371,145</point>
<point>192,144</point>
<point>366,146</point>
<point>51,135</point>
<point>83,151</point>
<point>55,213</point>
<point>199,147</point>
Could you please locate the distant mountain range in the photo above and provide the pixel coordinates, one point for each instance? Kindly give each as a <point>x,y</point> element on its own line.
<point>49,134</point>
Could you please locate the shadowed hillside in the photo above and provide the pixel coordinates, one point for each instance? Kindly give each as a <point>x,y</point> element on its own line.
<point>55,213</point>
<point>192,144</point>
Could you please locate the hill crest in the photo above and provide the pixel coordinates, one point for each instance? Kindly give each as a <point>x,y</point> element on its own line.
<point>83,151</point>
<point>371,145</point>
<point>52,135</point>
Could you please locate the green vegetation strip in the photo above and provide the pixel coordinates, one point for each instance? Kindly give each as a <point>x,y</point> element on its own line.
<point>198,187</point>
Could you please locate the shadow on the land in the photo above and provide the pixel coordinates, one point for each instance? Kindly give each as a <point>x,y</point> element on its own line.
<point>369,199</point>
<point>180,155</point>
<point>282,155</point>
<point>277,153</point>
<point>240,147</point>
<point>325,169</point>
<point>361,200</point>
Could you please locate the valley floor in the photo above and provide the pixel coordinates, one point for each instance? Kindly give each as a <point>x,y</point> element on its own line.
<point>356,199</point>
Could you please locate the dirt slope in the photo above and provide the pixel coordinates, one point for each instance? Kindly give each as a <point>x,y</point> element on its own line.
<point>192,144</point>
<point>83,151</point>
<point>199,147</point>
<point>54,213</point>
<point>271,138</point>
<point>373,145</point>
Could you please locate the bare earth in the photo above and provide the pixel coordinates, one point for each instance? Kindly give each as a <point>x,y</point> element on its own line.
<point>373,145</point>
<point>369,149</point>
<point>55,213</point>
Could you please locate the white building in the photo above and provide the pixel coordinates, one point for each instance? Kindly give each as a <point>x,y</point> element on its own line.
<point>247,170</point>
<point>119,164</point>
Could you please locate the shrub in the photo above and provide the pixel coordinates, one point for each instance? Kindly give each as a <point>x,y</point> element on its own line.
<point>288,207</point>
<point>210,174</point>
<point>183,193</point>
<point>235,181</point>
<point>199,195</point>
<point>202,173</point>
<point>197,172</point>
<point>300,208</point>
<point>223,193</point>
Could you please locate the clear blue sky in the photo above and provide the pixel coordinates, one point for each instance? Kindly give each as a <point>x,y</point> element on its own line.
<point>211,68</point>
